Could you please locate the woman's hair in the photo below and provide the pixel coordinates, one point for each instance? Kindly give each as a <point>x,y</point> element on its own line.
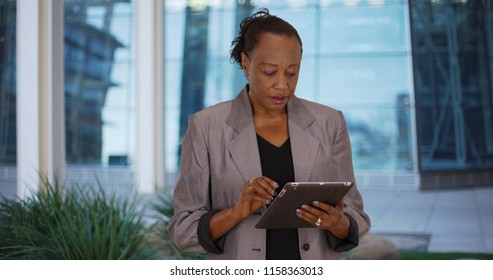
<point>252,27</point>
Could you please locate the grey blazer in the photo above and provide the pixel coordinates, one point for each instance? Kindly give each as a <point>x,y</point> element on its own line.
<point>220,153</point>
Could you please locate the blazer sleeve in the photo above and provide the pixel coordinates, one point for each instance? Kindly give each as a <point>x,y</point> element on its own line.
<point>343,158</point>
<point>191,198</point>
<point>347,244</point>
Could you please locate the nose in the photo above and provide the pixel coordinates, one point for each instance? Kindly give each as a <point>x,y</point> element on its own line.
<point>281,82</point>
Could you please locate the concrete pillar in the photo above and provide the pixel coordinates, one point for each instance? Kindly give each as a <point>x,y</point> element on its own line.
<point>40,94</point>
<point>149,158</point>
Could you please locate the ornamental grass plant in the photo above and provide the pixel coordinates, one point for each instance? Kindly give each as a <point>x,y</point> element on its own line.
<point>76,223</point>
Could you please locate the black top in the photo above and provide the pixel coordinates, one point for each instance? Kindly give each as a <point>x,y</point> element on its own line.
<point>277,164</point>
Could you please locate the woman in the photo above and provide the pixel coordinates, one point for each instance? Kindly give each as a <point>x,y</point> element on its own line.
<point>238,154</point>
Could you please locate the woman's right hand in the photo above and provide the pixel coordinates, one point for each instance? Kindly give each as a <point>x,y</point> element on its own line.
<point>255,193</point>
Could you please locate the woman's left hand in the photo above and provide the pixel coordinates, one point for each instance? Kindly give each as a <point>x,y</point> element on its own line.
<point>326,217</point>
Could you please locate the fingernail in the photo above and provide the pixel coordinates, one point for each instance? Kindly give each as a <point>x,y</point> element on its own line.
<point>298,212</point>
<point>304,206</point>
<point>314,202</point>
<point>274,193</point>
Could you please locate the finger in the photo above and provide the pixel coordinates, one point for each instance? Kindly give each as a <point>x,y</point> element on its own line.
<point>259,190</point>
<point>256,198</point>
<point>267,184</point>
<point>327,208</point>
<point>323,206</point>
<point>314,210</point>
<point>257,187</point>
<point>307,216</point>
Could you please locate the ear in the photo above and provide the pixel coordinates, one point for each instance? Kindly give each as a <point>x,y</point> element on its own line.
<point>244,63</point>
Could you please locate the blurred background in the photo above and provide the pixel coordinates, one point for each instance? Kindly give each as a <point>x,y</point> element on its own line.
<point>412,77</point>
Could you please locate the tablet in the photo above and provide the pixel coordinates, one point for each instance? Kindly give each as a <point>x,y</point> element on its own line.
<point>281,213</point>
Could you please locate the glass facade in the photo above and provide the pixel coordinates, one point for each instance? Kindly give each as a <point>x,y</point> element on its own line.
<point>356,58</point>
<point>453,66</point>
<point>99,94</point>
<point>7,83</point>
<point>412,77</point>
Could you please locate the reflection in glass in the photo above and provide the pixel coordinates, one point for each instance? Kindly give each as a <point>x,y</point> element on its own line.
<point>453,44</point>
<point>355,59</point>
<point>7,84</point>
<point>98,95</point>
<point>366,29</point>
<point>194,63</point>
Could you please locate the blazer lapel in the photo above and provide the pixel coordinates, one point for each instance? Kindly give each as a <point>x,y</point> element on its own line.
<point>304,147</point>
<point>244,148</point>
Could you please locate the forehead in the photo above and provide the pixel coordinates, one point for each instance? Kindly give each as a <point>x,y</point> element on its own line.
<point>272,47</point>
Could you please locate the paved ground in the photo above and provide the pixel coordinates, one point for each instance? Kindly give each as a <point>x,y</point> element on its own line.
<point>457,220</point>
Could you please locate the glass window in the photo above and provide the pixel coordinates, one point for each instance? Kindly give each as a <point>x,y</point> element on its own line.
<point>371,91</point>
<point>453,45</point>
<point>355,59</point>
<point>363,29</point>
<point>7,83</point>
<point>99,81</point>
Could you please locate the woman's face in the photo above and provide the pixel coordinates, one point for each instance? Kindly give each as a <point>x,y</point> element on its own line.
<point>272,70</point>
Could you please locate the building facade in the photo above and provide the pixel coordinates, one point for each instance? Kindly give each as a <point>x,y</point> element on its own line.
<point>412,77</point>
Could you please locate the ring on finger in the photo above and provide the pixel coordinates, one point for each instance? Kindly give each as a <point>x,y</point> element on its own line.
<point>317,223</point>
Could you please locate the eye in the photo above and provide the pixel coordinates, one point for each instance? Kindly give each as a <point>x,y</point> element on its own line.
<point>269,73</point>
<point>291,74</point>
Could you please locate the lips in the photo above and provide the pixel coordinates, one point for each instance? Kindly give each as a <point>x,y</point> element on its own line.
<point>279,99</point>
